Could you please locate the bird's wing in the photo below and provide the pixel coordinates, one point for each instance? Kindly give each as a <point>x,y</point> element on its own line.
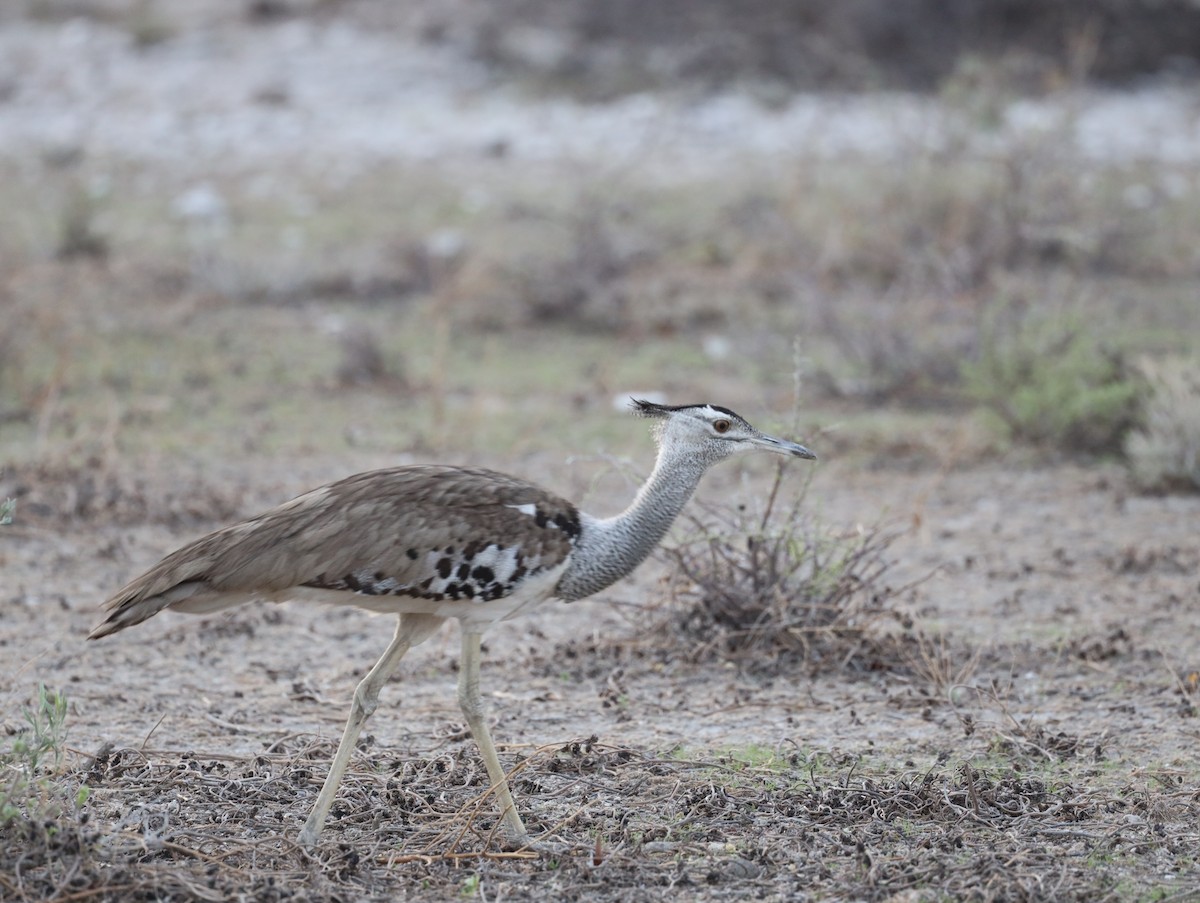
<point>421,532</point>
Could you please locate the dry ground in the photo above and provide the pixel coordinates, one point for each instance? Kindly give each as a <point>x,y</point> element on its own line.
<point>1042,748</point>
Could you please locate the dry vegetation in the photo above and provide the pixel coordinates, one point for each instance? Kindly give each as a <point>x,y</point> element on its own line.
<point>778,591</point>
<point>174,356</point>
<point>936,304</point>
<point>783,824</point>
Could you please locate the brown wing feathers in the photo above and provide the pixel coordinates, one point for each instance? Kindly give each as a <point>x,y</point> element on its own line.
<point>427,532</point>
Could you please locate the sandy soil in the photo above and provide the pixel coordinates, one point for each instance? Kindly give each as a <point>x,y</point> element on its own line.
<point>1114,571</point>
<point>1070,608</point>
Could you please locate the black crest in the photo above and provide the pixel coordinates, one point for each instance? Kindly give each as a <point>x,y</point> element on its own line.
<point>644,408</point>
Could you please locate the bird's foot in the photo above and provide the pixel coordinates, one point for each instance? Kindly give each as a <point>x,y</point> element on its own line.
<point>309,834</point>
<point>546,846</point>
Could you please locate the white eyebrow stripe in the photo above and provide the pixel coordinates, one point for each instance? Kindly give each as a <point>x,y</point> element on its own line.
<point>528,508</point>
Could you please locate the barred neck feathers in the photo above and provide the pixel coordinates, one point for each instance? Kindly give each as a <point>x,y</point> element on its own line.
<point>608,549</point>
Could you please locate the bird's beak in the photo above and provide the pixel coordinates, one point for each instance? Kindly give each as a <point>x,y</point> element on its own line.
<point>784,447</point>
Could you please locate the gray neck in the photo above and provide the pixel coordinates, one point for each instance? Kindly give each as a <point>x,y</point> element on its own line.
<point>609,549</point>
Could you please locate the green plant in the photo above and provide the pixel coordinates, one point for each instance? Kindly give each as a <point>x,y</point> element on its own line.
<point>1164,452</point>
<point>146,26</point>
<point>45,837</point>
<point>470,886</point>
<point>7,509</point>
<point>78,232</point>
<point>1053,383</point>
<point>755,755</point>
<point>34,755</point>
<point>47,728</point>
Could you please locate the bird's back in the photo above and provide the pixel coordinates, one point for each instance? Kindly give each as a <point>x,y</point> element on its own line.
<point>404,538</point>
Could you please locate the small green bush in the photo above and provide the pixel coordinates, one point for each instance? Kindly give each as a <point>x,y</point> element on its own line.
<point>78,232</point>
<point>1053,383</point>
<point>33,753</point>
<point>44,835</point>
<point>49,846</point>
<point>1164,453</point>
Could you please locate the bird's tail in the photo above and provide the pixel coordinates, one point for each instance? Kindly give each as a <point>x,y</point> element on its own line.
<point>130,606</point>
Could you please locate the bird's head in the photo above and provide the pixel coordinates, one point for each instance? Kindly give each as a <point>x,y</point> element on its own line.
<point>713,433</point>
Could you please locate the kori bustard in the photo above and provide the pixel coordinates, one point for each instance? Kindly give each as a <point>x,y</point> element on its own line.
<point>432,542</point>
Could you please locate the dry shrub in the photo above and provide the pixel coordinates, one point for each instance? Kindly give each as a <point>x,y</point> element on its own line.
<point>364,271</point>
<point>949,219</point>
<point>905,347</point>
<point>604,265</point>
<point>1164,454</point>
<point>912,262</point>
<point>53,493</point>
<point>582,285</point>
<point>577,275</point>
<point>780,588</point>
<point>18,341</point>
<point>364,363</point>
<point>944,665</point>
<point>606,49</point>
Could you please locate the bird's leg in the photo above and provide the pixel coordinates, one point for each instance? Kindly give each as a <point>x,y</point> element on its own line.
<point>472,708</point>
<point>411,630</point>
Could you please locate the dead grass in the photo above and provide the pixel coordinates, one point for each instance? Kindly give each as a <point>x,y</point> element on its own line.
<point>894,275</point>
<point>947,667</point>
<point>627,824</point>
<point>55,494</point>
<point>778,589</point>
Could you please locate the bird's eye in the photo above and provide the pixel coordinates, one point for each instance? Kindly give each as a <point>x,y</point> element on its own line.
<point>721,426</point>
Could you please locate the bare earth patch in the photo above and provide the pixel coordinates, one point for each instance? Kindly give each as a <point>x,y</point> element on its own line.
<point>1040,747</point>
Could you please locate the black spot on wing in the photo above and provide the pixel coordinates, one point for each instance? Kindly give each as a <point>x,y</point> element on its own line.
<point>376,584</point>
<point>568,522</point>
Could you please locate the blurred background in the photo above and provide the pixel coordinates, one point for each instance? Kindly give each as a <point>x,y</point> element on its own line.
<point>235,229</point>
